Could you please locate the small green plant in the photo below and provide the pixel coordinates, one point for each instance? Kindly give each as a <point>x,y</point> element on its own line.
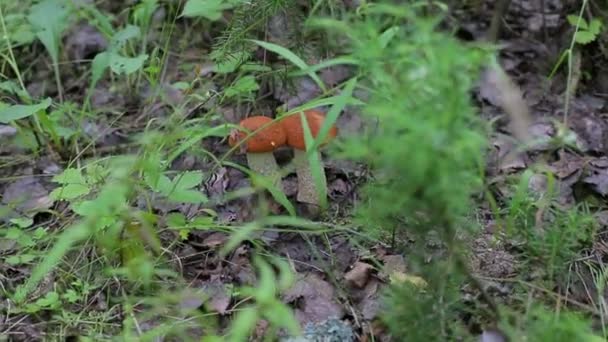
<point>586,32</point>
<point>417,82</point>
<point>113,58</point>
<point>433,310</point>
<point>546,233</point>
<point>19,31</point>
<point>209,9</point>
<point>49,19</point>
<point>540,324</point>
<point>266,303</point>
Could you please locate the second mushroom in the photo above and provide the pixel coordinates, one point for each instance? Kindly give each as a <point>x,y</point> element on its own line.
<point>292,125</point>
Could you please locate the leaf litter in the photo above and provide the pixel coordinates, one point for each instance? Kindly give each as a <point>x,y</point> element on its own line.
<point>314,297</point>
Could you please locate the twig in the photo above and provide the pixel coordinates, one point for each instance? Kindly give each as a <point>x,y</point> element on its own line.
<point>499,12</point>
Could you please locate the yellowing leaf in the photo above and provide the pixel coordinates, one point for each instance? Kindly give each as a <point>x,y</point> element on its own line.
<point>400,277</point>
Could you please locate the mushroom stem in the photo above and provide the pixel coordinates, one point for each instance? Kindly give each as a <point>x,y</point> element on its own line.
<point>266,165</point>
<point>307,190</point>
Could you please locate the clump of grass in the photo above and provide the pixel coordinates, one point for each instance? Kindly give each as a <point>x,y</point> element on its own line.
<point>425,147</point>
<point>548,236</point>
<point>541,324</point>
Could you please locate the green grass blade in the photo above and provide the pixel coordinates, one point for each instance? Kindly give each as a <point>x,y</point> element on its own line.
<point>63,244</point>
<point>17,112</point>
<point>293,58</point>
<point>334,112</point>
<point>316,167</point>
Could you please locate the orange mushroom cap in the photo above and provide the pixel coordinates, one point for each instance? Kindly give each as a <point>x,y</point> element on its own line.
<point>266,140</point>
<point>292,125</point>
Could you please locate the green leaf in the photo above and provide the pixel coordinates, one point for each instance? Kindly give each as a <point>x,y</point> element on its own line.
<point>16,112</point>
<point>69,176</point>
<point>230,63</point>
<point>342,60</point>
<point>71,296</point>
<point>20,259</point>
<point>22,222</point>
<point>210,9</point>
<point>39,233</point>
<point>388,35</point>
<point>121,37</point>
<point>12,87</point>
<point>243,86</point>
<point>573,20</point>
<point>62,245</point>
<point>49,19</point>
<point>142,13</point>
<point>99,65</point>
<point>74,185</point>
<point>12,233</point>
<point>126,65</point>
<point>161,184</point>
<point>91,209</point>
<point>293,58</point>
<point>187,196</point>
<point>176,220</point>
<point>268,184</point>
<point>178,189</point>
<point>70,191</point>
<point>49,300</point>
<point>188,180</point>
<point>595,26</point>
<point>243,324</point>
<point>584,37</point>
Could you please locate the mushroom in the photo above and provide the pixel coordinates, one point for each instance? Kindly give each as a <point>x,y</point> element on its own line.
<point>292,124</point>
<point>263,136</point>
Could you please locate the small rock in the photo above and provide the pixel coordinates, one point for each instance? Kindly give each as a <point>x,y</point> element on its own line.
<point>28,196</point>
<point>7,131</point>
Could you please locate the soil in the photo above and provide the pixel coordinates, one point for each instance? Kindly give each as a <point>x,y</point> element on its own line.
<point>335,278</point>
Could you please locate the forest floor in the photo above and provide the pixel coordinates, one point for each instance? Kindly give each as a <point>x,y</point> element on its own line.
<point>336,276</point>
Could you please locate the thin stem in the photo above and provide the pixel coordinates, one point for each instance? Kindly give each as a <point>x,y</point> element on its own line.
<point>499,12</point>
<point>569,53</point>
<point>58,80</point>
<point>10,51</point>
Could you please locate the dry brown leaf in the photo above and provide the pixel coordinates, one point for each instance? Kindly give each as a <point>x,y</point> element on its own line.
<point>358,275</point>
<point>316,299</point>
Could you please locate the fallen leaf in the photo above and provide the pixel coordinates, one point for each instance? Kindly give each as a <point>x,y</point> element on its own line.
<point>27,196</point>
<point>219,298</point>
<point>392,263</point>
<point>369,300</point>
<point>215,240</point>
<point>338,188</point>
<point>598,176</point>
<point>592,130</point>
<point>504,158</point>
<point>315,297</point>
<point>358,275</point>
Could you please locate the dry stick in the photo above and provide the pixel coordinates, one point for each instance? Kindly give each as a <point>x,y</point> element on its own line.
<point>544,21</point>
<point>499,12</point>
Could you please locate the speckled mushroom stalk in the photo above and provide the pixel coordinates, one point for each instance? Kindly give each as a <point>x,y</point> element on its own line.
<point>292,124</point>
<point>260,145</point>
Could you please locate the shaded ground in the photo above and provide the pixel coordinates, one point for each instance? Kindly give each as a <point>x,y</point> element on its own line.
<point>335,277</point>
